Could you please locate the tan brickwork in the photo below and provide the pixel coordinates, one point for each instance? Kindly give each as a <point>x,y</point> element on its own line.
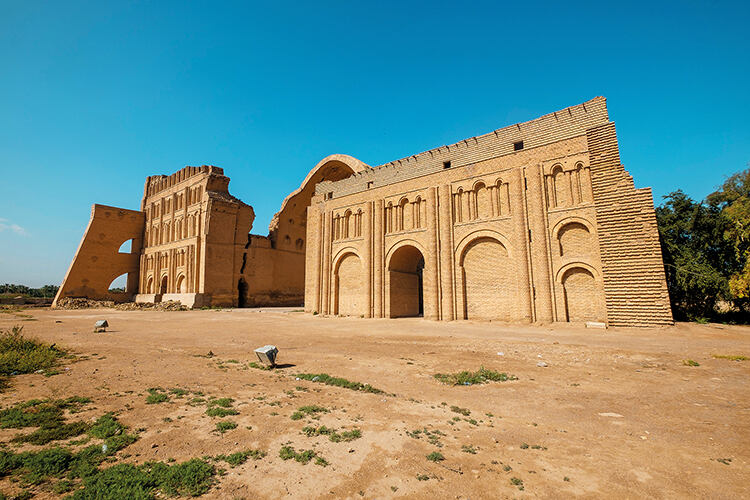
<point>536,222</point>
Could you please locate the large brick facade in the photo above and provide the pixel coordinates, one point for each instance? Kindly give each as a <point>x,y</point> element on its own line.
<point>536,222</point>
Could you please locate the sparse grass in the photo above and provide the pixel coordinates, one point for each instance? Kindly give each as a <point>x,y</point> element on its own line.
<point>48,416</point>
<point>241,457</point>
<point>468,448</point>
<point>690,362</point>
<point>37,467</point>
<point>258,366</point>
<point>178,393</point>
<point>324,378</point>
<point>463,411</point>
<point>432,436</point>
<point>422,477</point>
<point>517,482</point>
<point>731,357</point>
<point>58,432</point>
<point>725,461</point>
<point>524,446</point>
<point>106,426</point>
<point>435,456</point>
<point>309,410</point>
<point>156,395</point>
<point>470,378</point>
<point>566,479</point>
<point>217,411</point>
<point>20,354</point>
<point>191,478</point>
<point>333,435</point>
<point>225,425</point>
<point>303,457</point>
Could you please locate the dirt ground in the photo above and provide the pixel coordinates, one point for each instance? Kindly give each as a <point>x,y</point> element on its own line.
<point>615,413</point>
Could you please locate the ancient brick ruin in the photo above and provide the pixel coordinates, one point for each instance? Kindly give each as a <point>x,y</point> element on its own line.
<point>536,222</point>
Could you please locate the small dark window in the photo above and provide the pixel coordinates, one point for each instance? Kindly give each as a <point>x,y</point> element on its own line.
<point>328,196</point>
<point>517,146</point>
<point>446,164</point>
<point>370,184</point>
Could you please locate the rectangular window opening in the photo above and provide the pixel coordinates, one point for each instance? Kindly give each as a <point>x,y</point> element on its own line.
<point>446,164</point>
<point>517,146</point>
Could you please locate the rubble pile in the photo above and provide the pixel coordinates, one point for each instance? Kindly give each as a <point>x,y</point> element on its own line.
<point>82,303</point>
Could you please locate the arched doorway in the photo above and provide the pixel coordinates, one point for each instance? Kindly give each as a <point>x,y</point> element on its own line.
<point>150,285</point>
<point>349,298</point>
<point>406,284</point>
<point>488,280</point>
<point>163,288</point>
<point>180,286</point>
<point>242,293</point>
<point>582,296</point>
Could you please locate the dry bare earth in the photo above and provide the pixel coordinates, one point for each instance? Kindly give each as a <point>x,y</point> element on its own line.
<point>615,413</point>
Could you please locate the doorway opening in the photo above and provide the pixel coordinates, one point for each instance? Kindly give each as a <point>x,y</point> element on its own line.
<point>406,278</point>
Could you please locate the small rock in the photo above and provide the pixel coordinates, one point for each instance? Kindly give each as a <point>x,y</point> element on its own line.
<point>542,364</point>
<point>501,354</point>
<point>154,445</point>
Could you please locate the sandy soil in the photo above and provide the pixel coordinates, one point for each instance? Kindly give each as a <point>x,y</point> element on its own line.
<point>616,413</point>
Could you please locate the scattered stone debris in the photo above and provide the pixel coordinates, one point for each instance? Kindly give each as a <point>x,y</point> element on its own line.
<point>81,303</point>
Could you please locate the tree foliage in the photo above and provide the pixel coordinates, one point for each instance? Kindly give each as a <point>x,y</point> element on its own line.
<point>47,291</point>
<point>705,246</point>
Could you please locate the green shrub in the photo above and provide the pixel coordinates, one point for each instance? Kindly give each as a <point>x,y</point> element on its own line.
<point>435,456</point>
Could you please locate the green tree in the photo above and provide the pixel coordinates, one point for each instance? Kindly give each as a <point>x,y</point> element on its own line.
<point>696,255</point>
<point>732,200</point>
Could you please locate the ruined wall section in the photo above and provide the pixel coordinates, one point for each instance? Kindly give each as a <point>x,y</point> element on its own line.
<point>634,282</point>
<point>195,237</point>
<point>97,262</point>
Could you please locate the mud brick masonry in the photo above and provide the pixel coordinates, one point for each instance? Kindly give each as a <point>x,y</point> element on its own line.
<point>536,222</point>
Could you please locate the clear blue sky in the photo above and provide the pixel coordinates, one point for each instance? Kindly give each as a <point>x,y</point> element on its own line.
<point>95,96</point>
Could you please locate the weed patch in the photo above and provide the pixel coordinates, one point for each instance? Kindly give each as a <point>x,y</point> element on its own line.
<point>225,425</point>
<point>435,456</point>
<point>156,395</point>
<point>730,357</point>
<point>471,378</point>
<point>690,362</point>
<point>217,411</point>
<point>309,410</point>
<point>333,435</point>
<point>20,354</point>
<point>324,378</point>
<point>241,457</point>
<point>463,411</point>
<point>303,457</point>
